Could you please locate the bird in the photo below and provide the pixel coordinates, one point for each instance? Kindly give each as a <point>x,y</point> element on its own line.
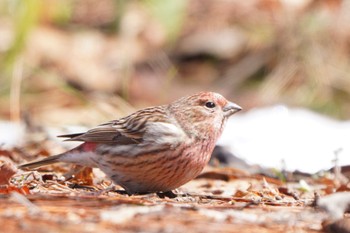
<point>155,149</point>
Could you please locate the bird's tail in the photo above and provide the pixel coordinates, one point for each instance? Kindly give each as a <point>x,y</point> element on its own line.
<point>46,161</point>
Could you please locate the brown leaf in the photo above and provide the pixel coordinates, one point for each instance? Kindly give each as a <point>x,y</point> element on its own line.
<point>5,153</point>
<point>6,189</point>
<point>84,176</point>
<point>7,170</point>
<point>289,192</point>
<point>240,193</point>
<point>224,174</point>
<point>344,188</point>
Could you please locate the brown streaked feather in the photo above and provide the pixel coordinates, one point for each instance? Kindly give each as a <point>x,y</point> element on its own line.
<point>124,131</point>
<point>100,135</point>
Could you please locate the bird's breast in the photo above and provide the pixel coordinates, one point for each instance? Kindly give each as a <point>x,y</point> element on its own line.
<point>163,171</point>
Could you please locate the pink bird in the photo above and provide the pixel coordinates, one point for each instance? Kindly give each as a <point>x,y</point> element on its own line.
<point>156,149</point>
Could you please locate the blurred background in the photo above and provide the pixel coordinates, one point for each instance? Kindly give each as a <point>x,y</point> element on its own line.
<point>68,65</point>
<point>82,62</point>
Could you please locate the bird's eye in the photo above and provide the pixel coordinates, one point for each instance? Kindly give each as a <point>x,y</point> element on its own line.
<point>210,104</point>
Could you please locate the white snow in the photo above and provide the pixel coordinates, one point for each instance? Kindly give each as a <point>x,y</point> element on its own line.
<point>282,137</point>
<point>11,134</point>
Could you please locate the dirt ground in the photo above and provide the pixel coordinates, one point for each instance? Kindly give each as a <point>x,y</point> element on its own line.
<point>221,199</point>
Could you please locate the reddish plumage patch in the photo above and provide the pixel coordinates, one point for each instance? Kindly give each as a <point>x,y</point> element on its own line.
<point>89,146</point>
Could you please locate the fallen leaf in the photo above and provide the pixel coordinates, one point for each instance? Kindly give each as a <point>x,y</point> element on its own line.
<point>7,170</point>
<point>84,176</point>
<point>7,189</point>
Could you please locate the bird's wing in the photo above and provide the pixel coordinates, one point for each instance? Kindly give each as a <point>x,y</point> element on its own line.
<point>147,126</point>
<point>101,134</point>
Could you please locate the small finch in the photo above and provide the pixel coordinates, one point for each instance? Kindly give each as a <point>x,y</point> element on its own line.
<point>156,149</point>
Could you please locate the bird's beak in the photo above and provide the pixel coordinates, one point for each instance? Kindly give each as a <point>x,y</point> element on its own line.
<point>231,108</point>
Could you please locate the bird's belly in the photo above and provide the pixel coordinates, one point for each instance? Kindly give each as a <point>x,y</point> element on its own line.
<point>154,172</point>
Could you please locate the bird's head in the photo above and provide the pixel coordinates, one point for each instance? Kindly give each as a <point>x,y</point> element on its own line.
<point>203,114</point>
